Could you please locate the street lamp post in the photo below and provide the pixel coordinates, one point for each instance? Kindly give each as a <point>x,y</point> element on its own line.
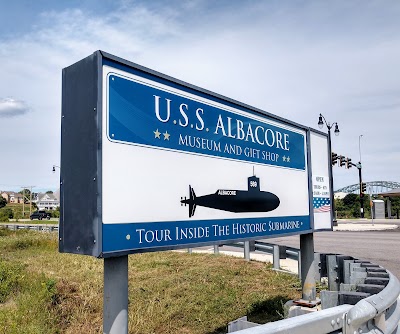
<point>321,122</point>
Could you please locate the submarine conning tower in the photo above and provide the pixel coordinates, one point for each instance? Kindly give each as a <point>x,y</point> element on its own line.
<point>253,183</point>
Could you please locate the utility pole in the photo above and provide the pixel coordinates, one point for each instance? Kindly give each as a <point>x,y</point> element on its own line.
<point>30,200</point>
<point>361,190</point>
<point>360,179</point>
<point>361,183</point>
<point>23,202</point>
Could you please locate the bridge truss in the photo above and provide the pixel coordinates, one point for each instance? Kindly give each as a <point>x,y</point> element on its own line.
<point>373,187</point>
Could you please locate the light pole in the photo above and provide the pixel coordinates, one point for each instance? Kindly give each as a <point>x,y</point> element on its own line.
<point>321,122</point>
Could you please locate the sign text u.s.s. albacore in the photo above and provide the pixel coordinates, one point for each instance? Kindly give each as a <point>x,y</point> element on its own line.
<point>150,163</point>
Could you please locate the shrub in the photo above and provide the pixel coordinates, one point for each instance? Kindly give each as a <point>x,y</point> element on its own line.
<point>55,214</point>
<point>6,214</point>
<point>3,202</point>
<point>10,277</point>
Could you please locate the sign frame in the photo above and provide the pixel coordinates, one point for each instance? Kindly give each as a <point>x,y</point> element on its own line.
<point>81,176</point>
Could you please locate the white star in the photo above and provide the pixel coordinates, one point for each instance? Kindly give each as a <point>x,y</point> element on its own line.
<point>166,135</point>
<point>157,134</point>
<point>288,159</point>
<point>284,158</point>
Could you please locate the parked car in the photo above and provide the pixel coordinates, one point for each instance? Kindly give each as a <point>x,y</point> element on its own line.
<point>41,214</point>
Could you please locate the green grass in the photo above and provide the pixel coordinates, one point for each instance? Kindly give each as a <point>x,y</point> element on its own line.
<point>43,291</point>
<point>52,221</point>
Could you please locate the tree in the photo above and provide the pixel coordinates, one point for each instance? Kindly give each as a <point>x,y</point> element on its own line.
<point>26,193</point>
<point>49,192</point>
<point>395,205</point>
<point>350,200</point>
<point>3,202</point>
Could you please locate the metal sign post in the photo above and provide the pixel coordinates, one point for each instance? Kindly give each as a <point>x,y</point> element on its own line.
<point>307,268</point>
<point>115,312</point>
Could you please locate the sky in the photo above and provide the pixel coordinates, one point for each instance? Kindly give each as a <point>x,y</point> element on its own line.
<point>294,59</point>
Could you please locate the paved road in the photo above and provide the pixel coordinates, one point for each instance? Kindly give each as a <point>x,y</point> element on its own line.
<point>380,247</point>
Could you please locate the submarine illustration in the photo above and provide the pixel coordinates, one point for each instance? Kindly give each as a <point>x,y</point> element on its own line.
<point>250,200</point>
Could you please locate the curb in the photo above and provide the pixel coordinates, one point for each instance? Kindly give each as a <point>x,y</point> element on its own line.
<point>351,227</point>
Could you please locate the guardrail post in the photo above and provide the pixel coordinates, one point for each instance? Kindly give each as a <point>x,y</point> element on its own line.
<point>306,263</point>
<point>190,250</point>
<point>346,271</point>
<point>216,249</point>
<point>276,257</point>
<point>252,245</point>
<point>340,263</point>
<point>333,272</point>
<point>247,251</point>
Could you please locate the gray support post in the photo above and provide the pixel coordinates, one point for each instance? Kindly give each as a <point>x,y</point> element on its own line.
<point>307,266</point>
<point>299,264</point>
<point>346,271</point>
<point>190,250</point>
<point>333,273</point>
<point>276,257</point>
<point>247,251</point>
<point>317,267</point>
<point>115,311</point>
<point>216,249</point>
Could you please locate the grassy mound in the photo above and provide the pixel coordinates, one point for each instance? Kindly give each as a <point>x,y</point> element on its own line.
<point>42,291</point>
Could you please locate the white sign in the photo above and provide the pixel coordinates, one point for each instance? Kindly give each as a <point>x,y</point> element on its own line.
<point>320,182</point>
<point>180,168</point>
<point>151,163</point>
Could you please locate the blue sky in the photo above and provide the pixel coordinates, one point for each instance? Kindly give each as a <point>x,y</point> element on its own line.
<point>295,59</point>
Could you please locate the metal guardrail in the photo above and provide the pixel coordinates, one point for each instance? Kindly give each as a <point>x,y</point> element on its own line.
<point>35,227</point>
<point>278,252</point>
<point>325,321</point>
<point>375,305</point>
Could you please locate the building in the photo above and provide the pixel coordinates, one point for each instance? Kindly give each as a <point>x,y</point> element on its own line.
<point>12,197</point>
<point>340,195</point>
<point>47,201</point>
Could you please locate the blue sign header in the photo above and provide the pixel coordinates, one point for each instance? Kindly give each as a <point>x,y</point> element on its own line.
<point>141,114</point>
<point>139,236</point>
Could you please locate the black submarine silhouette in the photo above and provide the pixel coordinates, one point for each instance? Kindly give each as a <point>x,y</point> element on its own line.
<point>251,200</point>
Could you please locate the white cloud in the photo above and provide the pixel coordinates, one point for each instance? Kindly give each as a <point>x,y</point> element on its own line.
<point>340,59</point>
<point>10,107</point>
